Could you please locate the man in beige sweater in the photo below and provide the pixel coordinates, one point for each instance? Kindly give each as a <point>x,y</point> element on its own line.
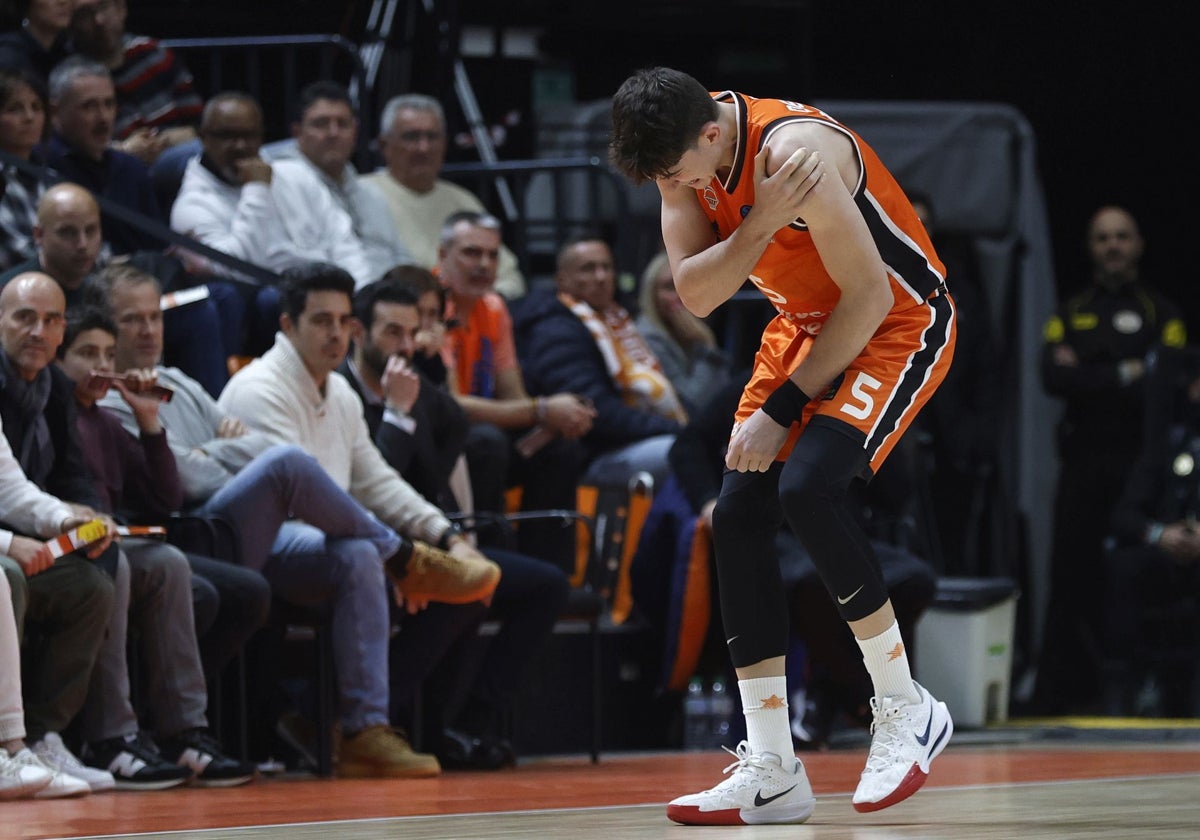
<point>412,141</point>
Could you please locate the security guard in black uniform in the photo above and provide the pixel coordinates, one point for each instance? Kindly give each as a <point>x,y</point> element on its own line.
<point>1099,348</point>
<point>1153,571</point>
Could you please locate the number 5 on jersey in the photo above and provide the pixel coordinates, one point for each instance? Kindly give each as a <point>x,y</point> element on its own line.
<point>862,404</point>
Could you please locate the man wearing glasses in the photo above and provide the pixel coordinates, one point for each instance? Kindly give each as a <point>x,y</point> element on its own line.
<point>272,215</point>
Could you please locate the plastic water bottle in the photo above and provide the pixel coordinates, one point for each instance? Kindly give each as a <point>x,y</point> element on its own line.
<point>697,716</point>
<point>721,708</point>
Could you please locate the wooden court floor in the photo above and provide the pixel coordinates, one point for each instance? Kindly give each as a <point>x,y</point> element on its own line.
<point>1028,789</point>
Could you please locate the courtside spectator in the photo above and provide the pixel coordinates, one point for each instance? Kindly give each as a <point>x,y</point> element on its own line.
<point>412,141</point>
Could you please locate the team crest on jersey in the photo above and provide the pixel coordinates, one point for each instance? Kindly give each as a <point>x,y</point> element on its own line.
<point>1127,322</point>
<point>745,211</point>
<point>710,196</point>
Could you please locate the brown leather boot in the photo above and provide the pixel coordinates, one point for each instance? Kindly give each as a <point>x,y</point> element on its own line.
<point>381,752</point>
<point>423,572</point>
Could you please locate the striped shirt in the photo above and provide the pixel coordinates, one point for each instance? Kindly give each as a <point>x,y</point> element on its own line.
<point>154,89</point>
<point>18,211</point>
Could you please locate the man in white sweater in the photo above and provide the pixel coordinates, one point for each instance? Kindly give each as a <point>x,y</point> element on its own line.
<point>324,138</point>
<point>294,395</point>
<point>272,215</point>
<point>311,540</point>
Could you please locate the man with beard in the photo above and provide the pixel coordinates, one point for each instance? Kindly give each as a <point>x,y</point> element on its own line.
<point>421,430</point>
<point>294,395</point>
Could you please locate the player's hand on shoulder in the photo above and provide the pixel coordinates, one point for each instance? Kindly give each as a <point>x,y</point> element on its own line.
<point>783,183</point>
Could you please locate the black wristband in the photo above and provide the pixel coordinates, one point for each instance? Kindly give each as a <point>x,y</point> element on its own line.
<point>455,530</point>
<point>786,404</point>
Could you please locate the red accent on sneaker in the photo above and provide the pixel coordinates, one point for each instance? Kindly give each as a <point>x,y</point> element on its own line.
<point>692,815</point>
<point>911,783</point>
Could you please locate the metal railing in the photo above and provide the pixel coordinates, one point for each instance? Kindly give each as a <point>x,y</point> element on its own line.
<point>246,272</point>
<point>275,68</point>
<point>557,198</point>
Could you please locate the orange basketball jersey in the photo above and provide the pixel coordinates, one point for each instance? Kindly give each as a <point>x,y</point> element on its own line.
<point>900,368</point>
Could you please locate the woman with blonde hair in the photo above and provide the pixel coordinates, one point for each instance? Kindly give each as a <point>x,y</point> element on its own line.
<point>684,344</point>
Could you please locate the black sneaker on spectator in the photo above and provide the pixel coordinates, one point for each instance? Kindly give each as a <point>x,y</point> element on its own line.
<point>202,755</point>
<point>300,734</point>
<point>135,762</point>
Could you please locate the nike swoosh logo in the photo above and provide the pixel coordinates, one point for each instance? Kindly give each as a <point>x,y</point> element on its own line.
<point>759,801</point>
<point>923,740</point>
<point>846,600</point>
<point>729,641</point>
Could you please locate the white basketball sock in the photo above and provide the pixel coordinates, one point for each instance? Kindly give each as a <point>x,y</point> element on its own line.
<point>887,663</point>
<point>768,728</point>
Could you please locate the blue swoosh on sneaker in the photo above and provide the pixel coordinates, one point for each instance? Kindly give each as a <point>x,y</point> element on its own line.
<point>923,740</point>
<point>940,736</point>
<point>759,801</point>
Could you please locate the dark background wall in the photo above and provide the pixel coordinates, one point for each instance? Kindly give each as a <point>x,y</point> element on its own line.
<point>1109,88</point>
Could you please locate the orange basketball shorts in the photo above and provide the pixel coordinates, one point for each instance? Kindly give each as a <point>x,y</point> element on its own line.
<point>881,391</point>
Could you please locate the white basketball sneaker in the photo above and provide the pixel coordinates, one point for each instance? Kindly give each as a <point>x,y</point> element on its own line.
<point>19,779</point>
<point>906,737</point>
<point>55,755</point>
<point>61,785</point>
<point>758,791</point>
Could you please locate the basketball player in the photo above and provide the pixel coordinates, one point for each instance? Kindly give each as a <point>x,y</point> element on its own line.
<point>782,194</point>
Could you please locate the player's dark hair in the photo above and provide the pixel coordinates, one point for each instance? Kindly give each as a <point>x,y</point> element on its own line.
<point>657,115</point>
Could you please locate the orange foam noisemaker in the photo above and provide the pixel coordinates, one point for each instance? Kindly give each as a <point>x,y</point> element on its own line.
<point>152,531</point>
<point>77,538</point>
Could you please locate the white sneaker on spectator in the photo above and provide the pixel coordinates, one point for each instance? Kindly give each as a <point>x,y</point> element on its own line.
<point>61,784</point>
<point>19,779</point>
<point>55,755</point>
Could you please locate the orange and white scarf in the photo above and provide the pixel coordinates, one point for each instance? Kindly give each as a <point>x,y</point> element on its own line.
<point>630,362</point>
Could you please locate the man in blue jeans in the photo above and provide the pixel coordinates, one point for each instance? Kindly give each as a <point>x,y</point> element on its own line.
<point>313,542</point>
<point>420,429</point>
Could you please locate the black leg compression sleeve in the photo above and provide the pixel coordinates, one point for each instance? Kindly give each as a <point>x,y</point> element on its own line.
<point>753,606</point>
<point>812,490</point>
